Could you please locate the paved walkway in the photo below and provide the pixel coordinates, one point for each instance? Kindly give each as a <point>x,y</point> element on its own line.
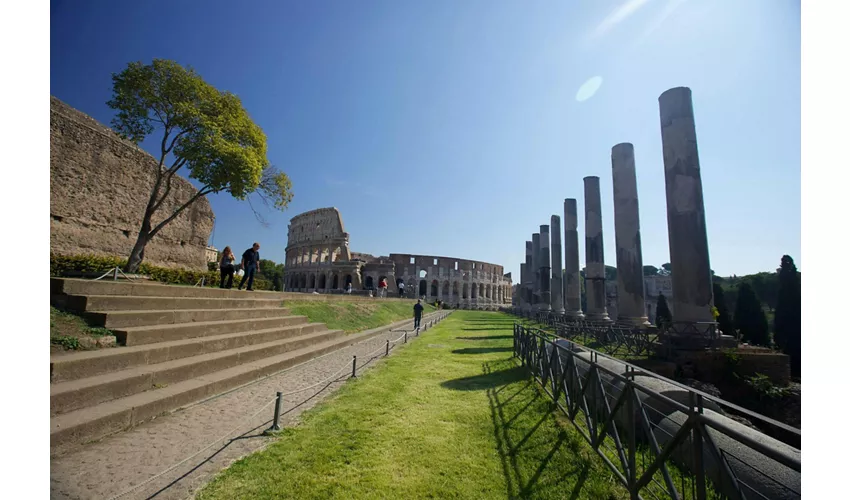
<point>120,462</point>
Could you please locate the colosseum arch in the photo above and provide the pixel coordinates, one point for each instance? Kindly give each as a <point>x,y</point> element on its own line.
<point>446,295</point>
<point>435,288</point>
<point>335,284</point>
<point>322,282</point>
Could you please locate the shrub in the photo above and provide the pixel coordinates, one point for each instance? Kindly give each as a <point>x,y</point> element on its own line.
<point>65,265</point>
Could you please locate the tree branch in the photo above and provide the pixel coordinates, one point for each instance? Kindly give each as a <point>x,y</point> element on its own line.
<point>202,192</point>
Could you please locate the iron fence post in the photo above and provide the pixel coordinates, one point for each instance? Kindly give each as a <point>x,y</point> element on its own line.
<point>698,457</point>
<point>388,348</point>
<point>276,422</point>
<point>354,366</point>
<point>115,274</point>
<point>632,472</point>
<point>405,335</point>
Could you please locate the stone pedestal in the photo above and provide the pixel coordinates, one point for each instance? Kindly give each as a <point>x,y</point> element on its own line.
<point>545,270</point>
<point>535,271</point>
<point>572,278</point>
<point>631,304</point>
<point>691,271</point>
<point>557,288</point>
<point>594,277</point>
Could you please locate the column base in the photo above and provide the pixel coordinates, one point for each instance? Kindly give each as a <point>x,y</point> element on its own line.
<point>574,315</point>
<point>599,317</point>
<point>641,321</point>
<point>559,311</point>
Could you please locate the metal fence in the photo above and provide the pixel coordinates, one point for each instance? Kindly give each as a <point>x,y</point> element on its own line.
<point>660,439</point>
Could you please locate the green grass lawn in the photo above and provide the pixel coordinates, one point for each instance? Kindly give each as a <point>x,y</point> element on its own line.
<point>354,316</point>
<point>450,415</point>
<point>67,330</point>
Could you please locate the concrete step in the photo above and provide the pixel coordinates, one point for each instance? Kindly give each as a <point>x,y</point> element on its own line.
<point>80,365</point>
<point>71,429</point>
<point>130,303</point>
<point>127,319</point>
<point>140,335</point>
<point>69,286</point>
<point>90,391</point>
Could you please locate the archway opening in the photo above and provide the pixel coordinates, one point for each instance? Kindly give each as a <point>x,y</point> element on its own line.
<point>312,281</point>
<point>322,282</point>
<point>446,295</point>
<point>465,290</point>
<point>369,284</point>
<point>434,288</point>
<point>423,273</point>
<point>423,288</point>
<point>335,284</point>
<point>347,279</point>
<point>474,291</point>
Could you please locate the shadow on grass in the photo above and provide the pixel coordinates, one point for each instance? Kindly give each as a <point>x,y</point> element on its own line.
<point>489,380</point>
<point>487,328</point>
<point>533,464</point>
<point>482,350</point>
<point>487,337</point>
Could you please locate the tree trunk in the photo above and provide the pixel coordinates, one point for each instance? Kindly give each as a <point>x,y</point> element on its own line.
<point>137,255</point>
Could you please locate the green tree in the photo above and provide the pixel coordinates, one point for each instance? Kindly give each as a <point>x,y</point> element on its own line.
<point>273,272</point>
<point>663,317</point>
<point>650,271</point>
<point>723,318</point>
<point>750,318</point>
<point>787,322</point>
<point>666,269</point>
<point>203,130</point>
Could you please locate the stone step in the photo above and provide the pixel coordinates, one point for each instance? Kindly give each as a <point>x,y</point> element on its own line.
<point>75,366</point>
<point>127,319</point>
<point>71,429</point>
<point>90,391</point>
<point>130,303</point>
<point>140,335</point>
<point>69,286</point>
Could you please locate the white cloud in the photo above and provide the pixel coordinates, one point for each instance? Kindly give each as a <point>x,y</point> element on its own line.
<point>620,14</point>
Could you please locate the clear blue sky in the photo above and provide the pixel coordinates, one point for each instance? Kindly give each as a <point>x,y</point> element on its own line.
<point>453,128</point>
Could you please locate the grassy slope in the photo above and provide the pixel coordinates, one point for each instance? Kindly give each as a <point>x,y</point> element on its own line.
<point>354,316</point>
<point>66,329</point>
<point>449,416</point>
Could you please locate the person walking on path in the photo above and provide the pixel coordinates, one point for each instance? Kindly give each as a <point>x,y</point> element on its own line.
<point>401,289</point>
<point>251,264</point>
<point>417,313</point>
<point>226,267</point>
<point>382,288</point>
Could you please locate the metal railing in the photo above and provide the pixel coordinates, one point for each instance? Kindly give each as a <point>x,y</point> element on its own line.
<point>659,438</point>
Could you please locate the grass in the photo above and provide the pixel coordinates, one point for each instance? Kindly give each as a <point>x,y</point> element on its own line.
<point>620,352</point>
<point>67,330</point>
<point>451,415</point>
<point>354,316</point>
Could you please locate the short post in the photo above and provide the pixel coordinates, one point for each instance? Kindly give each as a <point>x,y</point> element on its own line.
<point>388,348</point>
<point>405,336</point>
<point>354,366</point>
<point>115,274</point>
<point>276,422</point>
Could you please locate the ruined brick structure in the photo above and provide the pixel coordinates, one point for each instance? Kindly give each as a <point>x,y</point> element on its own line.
<point>318,259</point>
<point>99,187</point>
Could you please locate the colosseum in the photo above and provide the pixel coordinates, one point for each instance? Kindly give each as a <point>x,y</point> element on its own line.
<point>318,260</point>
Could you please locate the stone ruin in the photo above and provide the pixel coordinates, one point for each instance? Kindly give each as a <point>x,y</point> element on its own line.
<point>318,259</point>
<point>99,188</point>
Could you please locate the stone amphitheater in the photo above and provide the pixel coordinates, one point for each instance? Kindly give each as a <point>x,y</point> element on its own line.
<point>318,259</point>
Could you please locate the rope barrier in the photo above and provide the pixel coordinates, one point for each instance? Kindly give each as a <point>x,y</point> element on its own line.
<point>276,398</point>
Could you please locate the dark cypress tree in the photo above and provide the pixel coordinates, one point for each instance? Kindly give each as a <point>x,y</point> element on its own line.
<point>750,318</point>
<point>723,319</point>
<point>788,312</point>
<point>662,312</point>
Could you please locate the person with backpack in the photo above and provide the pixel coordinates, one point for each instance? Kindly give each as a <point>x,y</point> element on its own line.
<point>417,313</point>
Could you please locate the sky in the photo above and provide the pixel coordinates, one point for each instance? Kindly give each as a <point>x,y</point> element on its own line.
<point>458,128</point>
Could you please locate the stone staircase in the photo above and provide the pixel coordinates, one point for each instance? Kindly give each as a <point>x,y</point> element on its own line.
<point>178,345</point>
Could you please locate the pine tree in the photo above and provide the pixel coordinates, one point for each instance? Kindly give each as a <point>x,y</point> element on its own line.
<point>750,318</point>
<point>662,312</point>
<point>723,319</point>
<point>787,321</point>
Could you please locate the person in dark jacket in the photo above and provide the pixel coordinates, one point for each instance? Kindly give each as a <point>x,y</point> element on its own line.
<point>417,313</point>
<point>250,264</point>
<point>226,267</point>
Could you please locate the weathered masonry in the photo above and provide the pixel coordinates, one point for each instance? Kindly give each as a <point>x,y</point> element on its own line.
<point>318,259</point>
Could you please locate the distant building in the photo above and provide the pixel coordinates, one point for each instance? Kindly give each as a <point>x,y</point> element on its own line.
<point>212,254</point>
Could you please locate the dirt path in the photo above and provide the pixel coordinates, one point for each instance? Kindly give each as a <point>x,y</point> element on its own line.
<point>122,461</point>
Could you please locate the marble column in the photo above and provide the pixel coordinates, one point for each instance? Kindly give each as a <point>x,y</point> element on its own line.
<point>572,278</point>
<point>594,252</point>
<point>689,261</point>
<point>545,270</point>
<point>519,290</point>
<point>557,275</point>
<point>535,271</point>
<point>528,282</point>
<point>631,304</point>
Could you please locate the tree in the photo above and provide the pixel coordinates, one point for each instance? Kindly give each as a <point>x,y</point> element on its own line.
<point>666,269</point>
<point>723,318</point>
<point>203,130</point>
<point>787,322</point>
<point>750,318</point>
<point>273,272</point>
<point>650,271</point>
<point>663,317</point>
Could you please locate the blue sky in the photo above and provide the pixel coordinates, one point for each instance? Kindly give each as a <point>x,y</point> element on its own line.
<point>453,128</point>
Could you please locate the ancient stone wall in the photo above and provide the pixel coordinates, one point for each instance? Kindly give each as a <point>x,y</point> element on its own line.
<point>99,187</point>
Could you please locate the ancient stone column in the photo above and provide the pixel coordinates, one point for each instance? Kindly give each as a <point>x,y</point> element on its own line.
<point>690,267</point>
<point>520,296</point>
<point>594,273</point>
<point>528,281</point>
<point>545,270</point>
<point>535,271</point>
<point>572,278</point>
<point>631,305</point>
<point>557,275</point>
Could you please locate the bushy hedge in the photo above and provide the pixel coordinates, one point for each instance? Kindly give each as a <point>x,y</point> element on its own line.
<point>64,265</point>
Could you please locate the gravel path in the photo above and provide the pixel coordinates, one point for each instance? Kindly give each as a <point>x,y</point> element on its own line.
<point>120,462</point>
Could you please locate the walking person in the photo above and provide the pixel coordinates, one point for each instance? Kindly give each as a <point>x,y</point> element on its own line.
<point>417,313</point>
<point>225,265</point>
<point>401,290</point>
<point>348,288</point>
<point>382,288</point>
<point>250,264</point>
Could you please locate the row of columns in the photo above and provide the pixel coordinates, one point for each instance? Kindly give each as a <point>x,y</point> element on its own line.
<point>304,256</point>
<point>544,286</point>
